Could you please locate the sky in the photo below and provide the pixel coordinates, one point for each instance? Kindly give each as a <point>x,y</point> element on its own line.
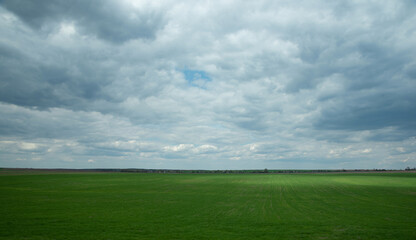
<point>208,84</point>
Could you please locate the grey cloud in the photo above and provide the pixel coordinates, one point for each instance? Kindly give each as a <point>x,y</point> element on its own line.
<point>309,84</point>
<point>53,123</point>
<point>105,19</point>
<point>29,81</point>
<point>377,109</point>
<point>85,78</point>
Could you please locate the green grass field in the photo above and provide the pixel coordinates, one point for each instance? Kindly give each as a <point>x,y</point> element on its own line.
<point>207,206</point>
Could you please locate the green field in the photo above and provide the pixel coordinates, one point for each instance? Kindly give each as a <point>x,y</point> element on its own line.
<point>207,206</point>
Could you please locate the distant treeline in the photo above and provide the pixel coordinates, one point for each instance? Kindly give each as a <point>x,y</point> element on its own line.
<point>258,171</point>
<point>255,171</point>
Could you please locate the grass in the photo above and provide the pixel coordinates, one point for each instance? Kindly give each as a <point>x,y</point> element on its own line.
<point>207,206</point>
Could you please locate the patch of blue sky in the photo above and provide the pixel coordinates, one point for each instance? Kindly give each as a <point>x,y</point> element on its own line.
<point>196,78</point>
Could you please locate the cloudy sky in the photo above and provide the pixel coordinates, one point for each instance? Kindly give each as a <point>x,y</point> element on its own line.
<point>208,84</point>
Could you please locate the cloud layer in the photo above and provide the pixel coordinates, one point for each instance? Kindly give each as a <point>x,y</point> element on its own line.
<point>209,85</point>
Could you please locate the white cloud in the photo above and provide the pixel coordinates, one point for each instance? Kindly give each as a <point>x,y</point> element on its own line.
<point>27,146</point>
<point>206,148</point>
<point>367,150</point>
<point>401,149</point>
<point>179,148</point>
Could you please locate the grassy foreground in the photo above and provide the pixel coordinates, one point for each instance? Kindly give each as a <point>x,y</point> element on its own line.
<point>188,206</point>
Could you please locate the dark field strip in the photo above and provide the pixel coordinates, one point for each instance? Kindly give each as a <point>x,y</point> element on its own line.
<point>197,206</point>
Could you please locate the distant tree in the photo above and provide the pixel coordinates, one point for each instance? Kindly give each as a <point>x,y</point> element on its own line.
<point>265,170</point>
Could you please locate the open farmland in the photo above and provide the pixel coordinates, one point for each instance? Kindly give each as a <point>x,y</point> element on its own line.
<point>207,206</point>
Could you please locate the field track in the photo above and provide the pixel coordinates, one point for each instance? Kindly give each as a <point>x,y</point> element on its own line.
<point>51,205</point>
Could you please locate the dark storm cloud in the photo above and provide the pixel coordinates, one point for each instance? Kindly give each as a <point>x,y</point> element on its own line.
<point>105,19</point>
